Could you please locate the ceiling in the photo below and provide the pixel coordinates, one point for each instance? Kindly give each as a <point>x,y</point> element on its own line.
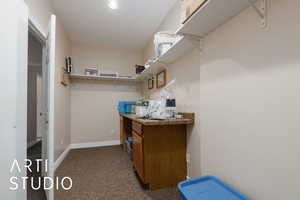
<point>92,22</point>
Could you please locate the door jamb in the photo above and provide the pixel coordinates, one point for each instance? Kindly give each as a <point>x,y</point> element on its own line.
<point>43,39</point>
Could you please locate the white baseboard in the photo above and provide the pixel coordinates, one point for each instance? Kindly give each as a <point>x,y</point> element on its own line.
<point>83,146</point>
<point>94,144</point>
<point>61,158</point>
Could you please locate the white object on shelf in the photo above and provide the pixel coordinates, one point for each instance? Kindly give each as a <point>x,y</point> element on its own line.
<point>211,15</point>
<point>179,49</point>
<point>163,41</point>
<point>91,71</point>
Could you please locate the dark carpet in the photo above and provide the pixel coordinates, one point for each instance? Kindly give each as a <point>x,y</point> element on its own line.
<point>105,173</point>
<point>34,153</point>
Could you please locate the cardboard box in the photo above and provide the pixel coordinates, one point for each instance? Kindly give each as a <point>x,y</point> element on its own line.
<point>189,7</point>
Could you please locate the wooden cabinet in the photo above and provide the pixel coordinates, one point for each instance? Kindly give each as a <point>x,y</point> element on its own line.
<point>125,131</point>
<point>138,154</point>
<point>159,149</point>
<point>159,154</point>
<point>122,134</point>
<point>137,127</point>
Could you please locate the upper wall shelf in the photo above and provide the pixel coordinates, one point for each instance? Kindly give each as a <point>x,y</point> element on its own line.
<point>101,78</point>
<point>211,15</point>
<point>179,49</point>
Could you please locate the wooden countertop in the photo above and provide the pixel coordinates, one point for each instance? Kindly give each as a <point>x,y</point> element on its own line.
<point>188,119</point>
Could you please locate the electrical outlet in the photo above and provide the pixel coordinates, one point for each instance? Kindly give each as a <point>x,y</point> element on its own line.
<point>188,158</point>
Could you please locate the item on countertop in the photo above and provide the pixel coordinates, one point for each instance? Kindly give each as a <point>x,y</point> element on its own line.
<point>142,108</point>
<point>125,107</point>
<point>133,109</point>
<point>141,111</point>
<point>142,103</point>
<point>189,7</point>
<point>163,41</point>
<point>139,69</point>
<point>167,107</point>
<point>171,107</point>
<point>91,71</point>
<point>179,116</point>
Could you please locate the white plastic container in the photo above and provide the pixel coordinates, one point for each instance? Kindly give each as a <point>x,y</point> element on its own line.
<point>163,41</point>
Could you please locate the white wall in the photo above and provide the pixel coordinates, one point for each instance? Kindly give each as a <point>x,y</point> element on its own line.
<point>13,101</point>
<point>94,115</point>
<point>249,103</point>
<point>40,12</point>
<point>246,102</point>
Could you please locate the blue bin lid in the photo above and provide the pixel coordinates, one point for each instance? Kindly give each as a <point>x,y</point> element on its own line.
<point>208,188</point>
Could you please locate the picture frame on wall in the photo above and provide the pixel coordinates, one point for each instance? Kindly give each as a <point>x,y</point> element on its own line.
<point>161,78</point>
<point>150,83</point>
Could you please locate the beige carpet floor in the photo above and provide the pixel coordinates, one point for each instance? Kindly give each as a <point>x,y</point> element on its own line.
<point>105,173</point>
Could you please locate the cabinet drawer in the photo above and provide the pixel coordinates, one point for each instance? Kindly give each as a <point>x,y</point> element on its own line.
<point>137,127</point>
<point>138,155</point>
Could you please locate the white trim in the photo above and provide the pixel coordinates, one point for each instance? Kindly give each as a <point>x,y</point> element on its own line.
<point>51,112</point>
<point>95,144</point>
<point>61,158</point>
<point>36,28</point>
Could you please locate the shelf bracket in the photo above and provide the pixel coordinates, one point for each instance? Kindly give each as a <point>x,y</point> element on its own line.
<point>262,11</point>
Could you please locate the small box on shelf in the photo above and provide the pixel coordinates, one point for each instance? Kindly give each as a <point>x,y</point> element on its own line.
<point>189,7</point>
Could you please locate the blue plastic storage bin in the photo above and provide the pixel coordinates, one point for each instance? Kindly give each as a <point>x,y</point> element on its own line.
<point>208,188</point>
<point>125,107</point>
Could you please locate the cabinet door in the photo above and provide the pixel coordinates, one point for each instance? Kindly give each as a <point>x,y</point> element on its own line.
<point>138,155</point>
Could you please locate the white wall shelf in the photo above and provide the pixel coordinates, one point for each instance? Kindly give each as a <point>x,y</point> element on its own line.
<point>102,78</point>
<point>211,15</point>
<point>179,49</point>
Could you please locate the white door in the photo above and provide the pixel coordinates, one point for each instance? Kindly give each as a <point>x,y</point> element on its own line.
<point>48,103</point>
<point>13,90</point>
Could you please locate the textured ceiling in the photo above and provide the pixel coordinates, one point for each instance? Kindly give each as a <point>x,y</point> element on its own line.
<point>92,22</point>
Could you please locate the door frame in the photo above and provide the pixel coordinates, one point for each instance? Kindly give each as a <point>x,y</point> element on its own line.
<point>34,27</point>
